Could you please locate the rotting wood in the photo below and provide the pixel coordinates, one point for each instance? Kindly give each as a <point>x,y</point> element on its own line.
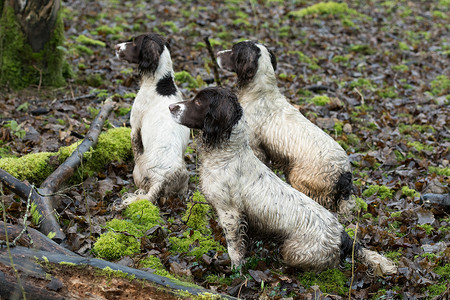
<point>44,196</point>
<point>32,262</point>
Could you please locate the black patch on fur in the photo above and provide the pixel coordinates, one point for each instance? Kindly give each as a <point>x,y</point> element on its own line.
<point>224,113</point>
<point>165,86</point>
<point>346,246</point>
<point>245,57</point>
<point>136,143</point>
<point>343,187</point>
<point>273,59</point>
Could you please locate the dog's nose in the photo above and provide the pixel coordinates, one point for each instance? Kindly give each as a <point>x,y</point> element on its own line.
<point>173,107</point>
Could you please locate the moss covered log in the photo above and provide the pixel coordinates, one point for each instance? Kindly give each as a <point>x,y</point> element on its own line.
<point>113,145</point>
<point>30,45</point>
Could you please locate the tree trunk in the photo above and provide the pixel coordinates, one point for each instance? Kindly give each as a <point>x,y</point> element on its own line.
<point>31,32</point>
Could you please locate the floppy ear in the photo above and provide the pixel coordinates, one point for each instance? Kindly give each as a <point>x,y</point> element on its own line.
<point>273,59</point>
<point>224,113</point>
<point>246,64</point>
<point>149,55</point>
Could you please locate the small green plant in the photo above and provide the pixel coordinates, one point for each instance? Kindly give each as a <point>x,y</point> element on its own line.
<point>196,214</point>
<point>394,255</point>
<point>330,281</point>
<point>123,111</point>
<point>440,85</point>
<point>427,227</point>
<point>320,100</point>
<point>194,243</point>
<point>362,48</point>
<point>302,57</point>
<point>383,191</point>
<point>406,191</point>
<point>184,78</point>
<point>35,215</point>
<point>84,40</point>
<point>360,204</point>
<point>15,129</point>
<point>439,171</point>
<point>403,46</point>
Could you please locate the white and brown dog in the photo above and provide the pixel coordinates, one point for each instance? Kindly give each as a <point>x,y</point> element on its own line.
<point>313,162</point>
<point>158,141</point>
<point>251,200</point>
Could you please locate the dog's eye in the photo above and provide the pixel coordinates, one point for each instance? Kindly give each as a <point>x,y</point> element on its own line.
<point>197,102</point>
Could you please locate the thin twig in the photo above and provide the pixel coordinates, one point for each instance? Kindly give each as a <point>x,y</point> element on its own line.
<point>361,95</point>
<point>27,211</point>
<point>353,262</point>
<point>214,62</point>
<point>7,244</point>
<point>73,98</point>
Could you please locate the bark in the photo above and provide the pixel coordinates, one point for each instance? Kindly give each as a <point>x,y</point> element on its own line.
<point>44,199</point>
<point>30,33</point>
<point>34,263</point>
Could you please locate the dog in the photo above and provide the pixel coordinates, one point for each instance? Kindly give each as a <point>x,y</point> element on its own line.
<point>249,198</point>
<point>312,161</point>
<point>158,142</point>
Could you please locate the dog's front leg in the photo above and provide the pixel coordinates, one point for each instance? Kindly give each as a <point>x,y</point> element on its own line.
<point>232,225</point>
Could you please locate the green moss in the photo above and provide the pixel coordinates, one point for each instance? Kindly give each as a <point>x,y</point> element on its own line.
<point>436,290</point>
<point>302,57</point>
<point>20,65</point>
<point>338,127</point>
<point>112,245</point>
<point>66,263</point>
<point>440,85</point>
<point>407,129</point>
<point>220,279</point>
<point>113,145</point>
<point>394,255</point>
<point>184,77</point>
<point>155,263</point>
<point>400,68</point>
<point>406,191</point>
<point>194,243</point>
<point>320,100</point>
<point>143,214</point>
<point>123,237</point>
<point>35,215</point>
<point>173,27</point>
<point>383,191</point>
<point>196,214</point>
<point>436,170</point>
<point>362,83</point>
<point>427,227</point>
<point>331,281</point>
<point>84,40</point>
<point>360,204</point>
<point>419,146</point>
<point>444,272</point>
<point>110,273</point>
<point>362,48</point>
<point>396,214</point>
<point>33,167</point>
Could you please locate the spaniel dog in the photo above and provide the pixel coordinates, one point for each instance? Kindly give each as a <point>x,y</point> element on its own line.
<point>248,196</point>
<point>312,161</point>
<point>158,142</point>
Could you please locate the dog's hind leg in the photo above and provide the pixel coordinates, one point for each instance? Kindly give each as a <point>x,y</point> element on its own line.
<point>308,255</point>
<point>235,233</point>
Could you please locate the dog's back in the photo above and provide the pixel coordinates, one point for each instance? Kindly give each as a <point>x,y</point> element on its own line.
<point>158,141</point>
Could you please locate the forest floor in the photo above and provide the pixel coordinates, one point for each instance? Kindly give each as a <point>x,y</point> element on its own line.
<point>373,74</point>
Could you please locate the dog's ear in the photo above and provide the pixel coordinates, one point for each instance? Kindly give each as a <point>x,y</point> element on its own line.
<point>273,59</point>
<point>246,63</point>
<point>224,113</point>
<point>149,54</point>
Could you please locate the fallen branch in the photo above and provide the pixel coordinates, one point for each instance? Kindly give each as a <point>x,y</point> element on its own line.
<point>214,61</point>
<point>38,264</point>
<point>43,198</point>
<point>34,238</point>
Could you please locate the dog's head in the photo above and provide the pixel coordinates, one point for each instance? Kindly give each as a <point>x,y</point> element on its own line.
<point>214,110</point>
<point>144,50</point>
<point>245,58</point>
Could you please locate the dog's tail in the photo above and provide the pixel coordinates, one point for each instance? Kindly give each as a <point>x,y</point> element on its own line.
<point>380,265</point>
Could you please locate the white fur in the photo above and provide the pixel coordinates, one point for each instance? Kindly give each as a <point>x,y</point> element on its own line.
<point>245,192</point>
<point>311,159</point>
<point>160,170</point>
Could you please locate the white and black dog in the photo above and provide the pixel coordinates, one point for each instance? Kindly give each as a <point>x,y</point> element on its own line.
<point>313,162</point>
<point>158,141</point>
<point>249,197</point>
